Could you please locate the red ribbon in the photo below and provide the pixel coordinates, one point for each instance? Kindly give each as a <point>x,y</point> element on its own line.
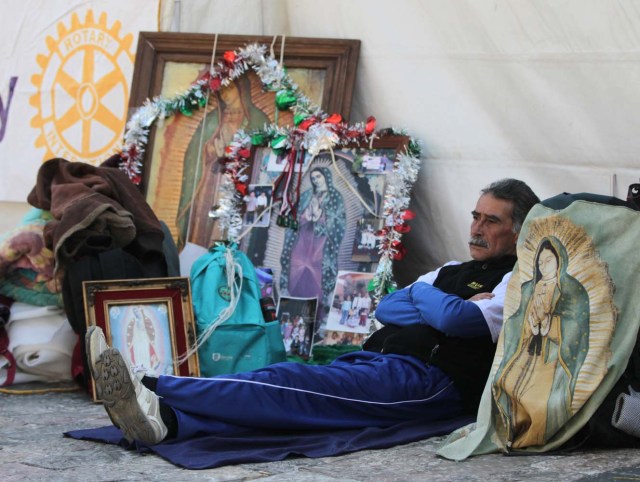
<point>215,83</point>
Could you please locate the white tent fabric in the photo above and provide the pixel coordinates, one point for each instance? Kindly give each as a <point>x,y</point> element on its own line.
<point>540,90</point>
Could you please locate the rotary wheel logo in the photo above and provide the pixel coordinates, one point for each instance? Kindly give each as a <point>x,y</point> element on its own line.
<point>83,90</point>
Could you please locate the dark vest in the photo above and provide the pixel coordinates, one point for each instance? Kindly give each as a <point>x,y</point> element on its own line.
<point>466,360</point>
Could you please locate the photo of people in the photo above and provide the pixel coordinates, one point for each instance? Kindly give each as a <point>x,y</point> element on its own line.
<point>365,243</point>
<point>297,318</point>
<point>342,338</point>
<point>351,304</point>
<point>379,161</point>
<point>257,203</point>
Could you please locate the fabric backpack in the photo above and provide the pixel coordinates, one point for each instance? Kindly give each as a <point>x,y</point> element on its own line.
<point>232,334</point>
<point>616,422</point>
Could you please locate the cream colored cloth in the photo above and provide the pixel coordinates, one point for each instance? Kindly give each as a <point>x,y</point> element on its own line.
<point>42,343</point>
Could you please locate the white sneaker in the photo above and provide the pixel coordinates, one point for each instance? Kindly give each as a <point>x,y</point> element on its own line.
<point>135,408</point>
<point>95,345</point>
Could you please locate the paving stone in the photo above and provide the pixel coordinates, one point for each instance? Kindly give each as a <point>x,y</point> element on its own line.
<point>32,448</point>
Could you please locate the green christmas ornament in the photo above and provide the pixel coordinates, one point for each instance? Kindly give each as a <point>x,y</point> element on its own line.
<point>279,142</point>
<point>257,140</point>
<point>185,109</point>
<point>202,101</point>
<point>299,118</point>
<point>285,99</point>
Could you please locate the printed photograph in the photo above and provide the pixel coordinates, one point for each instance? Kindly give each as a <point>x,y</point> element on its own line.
<point>342,338</point>
<point>351,304</point>
<point>297,318</point>
<point>257,204</point>
<point>365,243</point>
<point>374,162</point>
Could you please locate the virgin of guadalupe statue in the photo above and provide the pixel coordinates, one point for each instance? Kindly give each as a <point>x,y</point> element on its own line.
<point>309,260</point>
<point>235,111</point>
<point>535,382</point>
<point>141,337</point>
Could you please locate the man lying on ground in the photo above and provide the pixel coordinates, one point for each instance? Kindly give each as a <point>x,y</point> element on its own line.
<point>429,362</point>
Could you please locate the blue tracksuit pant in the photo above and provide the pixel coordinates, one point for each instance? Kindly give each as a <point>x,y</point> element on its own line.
<point>360,389</point>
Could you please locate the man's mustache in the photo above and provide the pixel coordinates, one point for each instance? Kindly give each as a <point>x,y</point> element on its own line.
<point>478,241</point>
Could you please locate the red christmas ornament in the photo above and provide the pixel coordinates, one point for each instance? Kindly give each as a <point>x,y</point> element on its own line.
<point>305,124</point>
<point>370,126</point>
<point>244,153</point>
<point>334,119</point>
<point>402,228</point>
<point>229,56</point>
<point>400,250</point>
<point>241,187</point>
<point>408,215</point>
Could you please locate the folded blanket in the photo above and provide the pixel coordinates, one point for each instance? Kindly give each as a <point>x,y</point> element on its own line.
<point>247,445</point>
<point>26,264</point>
<point>42,343</point>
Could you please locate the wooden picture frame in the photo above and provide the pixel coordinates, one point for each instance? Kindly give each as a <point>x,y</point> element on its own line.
<point>272,246</point>
<point>150,321</point>
<point>167,62</point>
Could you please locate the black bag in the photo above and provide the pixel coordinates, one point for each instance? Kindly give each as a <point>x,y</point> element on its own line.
<point>600,431</point>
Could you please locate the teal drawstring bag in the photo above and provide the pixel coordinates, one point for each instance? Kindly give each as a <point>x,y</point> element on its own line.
<point>232,334</point>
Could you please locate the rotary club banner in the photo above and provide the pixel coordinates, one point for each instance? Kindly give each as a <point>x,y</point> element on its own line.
<point>65,75</point>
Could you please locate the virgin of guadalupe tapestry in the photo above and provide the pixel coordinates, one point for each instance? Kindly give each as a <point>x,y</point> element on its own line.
<point>570,325</point>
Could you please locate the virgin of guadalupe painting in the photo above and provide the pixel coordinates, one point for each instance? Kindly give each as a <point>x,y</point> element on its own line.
<point>201,178</point>
<point>184,188</point>
<point>557,335</point>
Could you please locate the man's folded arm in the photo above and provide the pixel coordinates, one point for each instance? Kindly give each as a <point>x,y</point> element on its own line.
<point>426,304</point>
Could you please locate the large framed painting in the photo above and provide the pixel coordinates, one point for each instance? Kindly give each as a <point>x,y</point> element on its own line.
<point>182,175</point>
<point>150,321</point>
<point>337,198</point>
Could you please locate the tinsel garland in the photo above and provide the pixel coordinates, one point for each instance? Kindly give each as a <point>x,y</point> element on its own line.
<point>313,131</point>
<point>316,136</point>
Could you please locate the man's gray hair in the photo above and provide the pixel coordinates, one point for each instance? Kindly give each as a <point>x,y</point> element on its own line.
<point>521,195</point>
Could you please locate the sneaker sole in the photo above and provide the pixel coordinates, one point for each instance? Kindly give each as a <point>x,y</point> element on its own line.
<point>93,346</point>
<point>120,399</point>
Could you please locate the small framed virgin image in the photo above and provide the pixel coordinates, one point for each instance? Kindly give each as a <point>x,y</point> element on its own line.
<point>181,175</point>
<point>150,321</point>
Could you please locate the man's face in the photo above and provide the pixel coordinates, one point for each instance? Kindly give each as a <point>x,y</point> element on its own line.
<point>492,233</point>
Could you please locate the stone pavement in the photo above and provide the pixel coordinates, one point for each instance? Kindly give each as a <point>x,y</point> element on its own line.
<point>32,448</point>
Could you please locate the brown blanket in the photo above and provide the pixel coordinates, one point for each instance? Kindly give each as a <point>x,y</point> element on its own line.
<point>95,209</point>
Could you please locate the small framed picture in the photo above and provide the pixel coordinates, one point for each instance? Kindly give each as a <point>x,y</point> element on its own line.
<point>365,242</point>
<point>297,317</point>
<point>150,321</point>
<point>349,312</point>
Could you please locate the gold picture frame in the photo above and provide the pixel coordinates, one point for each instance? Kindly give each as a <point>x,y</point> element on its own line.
<point>150,321</point>
<point>181,173</point>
